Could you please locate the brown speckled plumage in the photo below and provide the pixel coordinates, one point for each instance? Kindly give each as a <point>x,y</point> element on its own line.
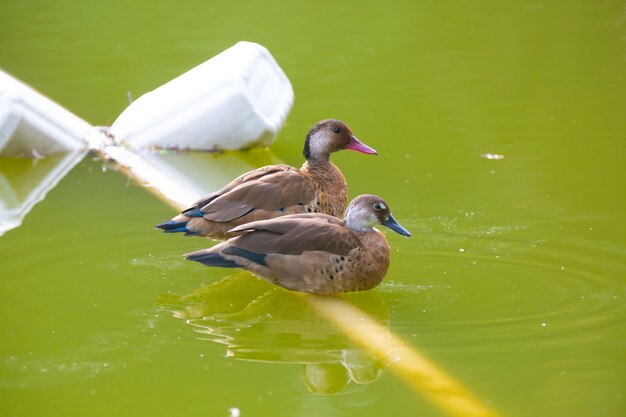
<point>331,189</point>
<point>314,253</point>
<point>276,190</point>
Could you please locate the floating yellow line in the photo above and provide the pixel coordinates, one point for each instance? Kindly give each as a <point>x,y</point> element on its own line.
<point>414,368</point>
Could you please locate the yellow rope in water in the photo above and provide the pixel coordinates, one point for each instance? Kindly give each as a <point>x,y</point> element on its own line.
<point>417,370</point>
<point>414,368</point>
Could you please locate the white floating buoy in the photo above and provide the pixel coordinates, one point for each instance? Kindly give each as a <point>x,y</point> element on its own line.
<point>237,99</point>
<point>32,125</point>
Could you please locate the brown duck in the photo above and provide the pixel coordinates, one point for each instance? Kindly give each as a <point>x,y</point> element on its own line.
<point>276,190</point>
<point>314,253</point>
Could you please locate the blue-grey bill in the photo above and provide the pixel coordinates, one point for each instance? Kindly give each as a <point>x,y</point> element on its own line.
<point>395,226</point>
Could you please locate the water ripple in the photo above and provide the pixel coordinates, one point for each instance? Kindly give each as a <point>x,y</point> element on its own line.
<point>532,292</point>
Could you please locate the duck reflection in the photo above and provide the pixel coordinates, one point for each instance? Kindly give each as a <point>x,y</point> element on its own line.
<point>25,181</point>
<point>257,321</point>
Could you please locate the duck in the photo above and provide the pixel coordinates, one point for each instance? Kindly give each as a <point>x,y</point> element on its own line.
<point>276,190</point>
<point>312,252</point>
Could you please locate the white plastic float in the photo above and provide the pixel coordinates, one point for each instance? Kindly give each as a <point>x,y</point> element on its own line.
<point>238,99</point>
<point>33,126</point>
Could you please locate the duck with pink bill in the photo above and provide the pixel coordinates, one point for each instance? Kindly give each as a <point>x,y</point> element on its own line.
<point>276,190</point>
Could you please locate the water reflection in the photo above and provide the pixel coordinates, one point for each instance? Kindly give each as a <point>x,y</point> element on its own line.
<point>24,182</point>
<point>182,177</point>
<point>259,322</point>
<point>177,177</point>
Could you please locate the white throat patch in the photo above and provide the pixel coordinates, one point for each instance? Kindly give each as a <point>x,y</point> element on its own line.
<point>360,218</point>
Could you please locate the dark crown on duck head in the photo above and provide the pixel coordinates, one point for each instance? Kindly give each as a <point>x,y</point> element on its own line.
<point>338,133</point>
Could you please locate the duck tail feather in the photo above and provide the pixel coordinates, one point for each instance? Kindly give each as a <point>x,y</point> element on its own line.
<point>211,259</point>
<point>172,226</point>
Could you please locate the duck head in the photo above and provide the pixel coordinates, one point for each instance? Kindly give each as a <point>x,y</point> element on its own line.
<point>330,136</point>
<point>367,211</point>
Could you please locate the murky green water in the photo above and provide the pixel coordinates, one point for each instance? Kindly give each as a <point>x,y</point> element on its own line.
<point>513,282</point>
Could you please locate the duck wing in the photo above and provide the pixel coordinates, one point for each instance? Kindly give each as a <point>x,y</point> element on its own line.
<point>243,178</point>
<point>295,235</point>
<point>277,190</point>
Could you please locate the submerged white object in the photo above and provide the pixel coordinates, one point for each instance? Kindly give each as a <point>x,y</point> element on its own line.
<point>51,138</point>
<point>21,189</point>
<point>32,125</point>
<point>237,99</point>
<point>176,177</point>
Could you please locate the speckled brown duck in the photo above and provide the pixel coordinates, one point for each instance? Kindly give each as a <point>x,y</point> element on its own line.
<point>276,190</point>
<point>314,253</point>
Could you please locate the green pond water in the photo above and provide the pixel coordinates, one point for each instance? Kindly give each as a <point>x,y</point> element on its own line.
<point>501,135</point>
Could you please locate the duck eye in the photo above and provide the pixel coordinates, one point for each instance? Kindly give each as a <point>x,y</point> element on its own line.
<point>337,130</point>
<point>377,207</point>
